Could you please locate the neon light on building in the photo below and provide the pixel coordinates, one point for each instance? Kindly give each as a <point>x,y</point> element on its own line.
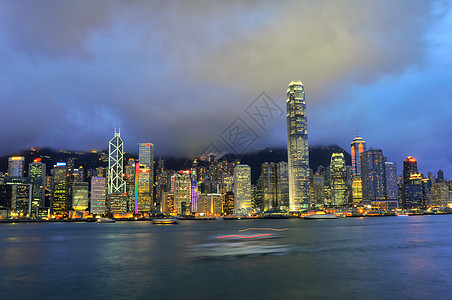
<point>137,170</point>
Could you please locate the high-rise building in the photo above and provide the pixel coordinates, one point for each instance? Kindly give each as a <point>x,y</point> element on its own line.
<point>181,188</point>
<point>37,173</point>
<point>98,196</point>
<point>117,194</point>
<point>339,195</point>
<point>16,166</point>
<point>373,174</point>
<point>391,191</point>
<point>80,197</point>
<point>61,196</point>
<point>242,189</point>
<point>116,183</point>
<point>409,168</point>
<point>282,185</point>
<point>297,146</point>
<point>413,191</point>
<point>358,146</point>
<point>145,176</point>
<point>318,192</point>
<point>268,185</point>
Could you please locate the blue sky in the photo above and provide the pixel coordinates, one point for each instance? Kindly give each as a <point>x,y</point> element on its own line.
<point>178,73</point>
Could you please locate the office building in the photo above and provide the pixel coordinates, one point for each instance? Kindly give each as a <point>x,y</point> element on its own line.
<point>297,146</point>
<point>242,189</point>
<point>339,192</point>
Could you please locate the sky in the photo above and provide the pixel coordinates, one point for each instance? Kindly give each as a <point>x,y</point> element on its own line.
<point>182,74</point>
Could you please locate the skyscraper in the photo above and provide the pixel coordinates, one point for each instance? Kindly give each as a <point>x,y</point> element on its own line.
<point>373,174</point>
<point>358,146</point>
<point>61,200</point>
<point>37,173</point>
<point>391,191</point>
<point>117,195</point>
<point>242,189</point>
<point>297,146</point>
<point>16,166</point>
<point>98,197</point>
<point>116,183</point>
<point>145,176</point>
<point>412,189</point>
<point>338,179</point>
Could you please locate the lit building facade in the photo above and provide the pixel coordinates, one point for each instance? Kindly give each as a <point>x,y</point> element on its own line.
<point>391,190</point>
<point>80,196</point>
<point>357,147</point>
<point>116,183</point>
<point>98,195</point>
<point>242,189</point>
<point>37,173</point>
<point>145,176</point>
<point>16,166</point>
<point>61,196</point>
<point>297,146</point>
<point>373,174</point>
<point>339,194</point>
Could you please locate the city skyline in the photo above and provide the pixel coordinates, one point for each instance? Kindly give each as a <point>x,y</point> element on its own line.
<point>77,68</point>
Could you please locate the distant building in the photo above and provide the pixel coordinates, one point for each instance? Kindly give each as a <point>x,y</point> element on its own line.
<point>297,147</point>
<point>16,166</point>
<point>242,189</point>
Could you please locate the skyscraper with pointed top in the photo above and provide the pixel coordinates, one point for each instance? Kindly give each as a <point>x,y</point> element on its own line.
<point>297,147</point>
<point>116,183</point>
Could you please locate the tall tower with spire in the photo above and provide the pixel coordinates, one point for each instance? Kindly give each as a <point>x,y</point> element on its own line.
<point>297,147</point>
<point>358,146</point>
<point>116,183</point>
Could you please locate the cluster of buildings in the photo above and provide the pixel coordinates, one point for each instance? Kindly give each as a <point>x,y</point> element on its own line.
<point>213,187</point>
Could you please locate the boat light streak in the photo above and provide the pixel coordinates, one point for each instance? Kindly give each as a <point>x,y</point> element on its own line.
<point>243,237</point>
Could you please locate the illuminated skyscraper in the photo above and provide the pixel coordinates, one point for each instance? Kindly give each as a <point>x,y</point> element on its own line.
<point>80,196</point>
<point>61,201</point>
<point>358,146</point>
<point>391,191</point>
<point>412,189</point>
<point>338,179</point>
<point>373,174</point>
<point>16,166</point>
<point>98,197</point>
<point>297,146</point>
<point>242,189</point>
<point>145,176</point>
<point>116,183</point>
<point>37,173</point>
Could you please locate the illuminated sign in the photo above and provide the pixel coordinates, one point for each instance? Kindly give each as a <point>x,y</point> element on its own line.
<point>61,164</point>
<point>37,160</point>
<point>16,158</point>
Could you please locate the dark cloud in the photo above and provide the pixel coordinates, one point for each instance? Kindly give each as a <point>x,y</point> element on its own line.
<point>177,73</point>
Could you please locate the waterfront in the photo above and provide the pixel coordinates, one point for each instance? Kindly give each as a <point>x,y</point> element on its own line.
<point>393,257</point>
